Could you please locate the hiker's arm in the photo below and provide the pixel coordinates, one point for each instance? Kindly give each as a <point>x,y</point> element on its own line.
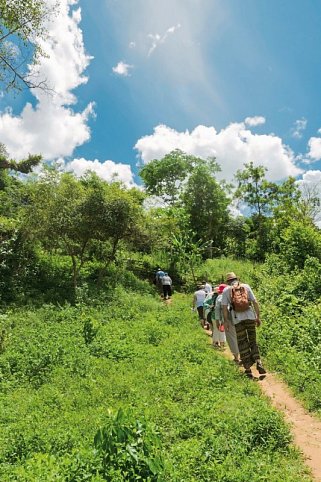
<point>225,314</point>
<point>257,312</point>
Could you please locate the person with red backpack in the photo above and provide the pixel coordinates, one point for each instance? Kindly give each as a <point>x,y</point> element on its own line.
<point>240,305</point>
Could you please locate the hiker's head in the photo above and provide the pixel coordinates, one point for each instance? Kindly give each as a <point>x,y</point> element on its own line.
<point>231,278</point>
<point>165,273</point>
<point>221,288</point>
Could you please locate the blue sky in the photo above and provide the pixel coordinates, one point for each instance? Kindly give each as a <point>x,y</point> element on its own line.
<point>236,79</point>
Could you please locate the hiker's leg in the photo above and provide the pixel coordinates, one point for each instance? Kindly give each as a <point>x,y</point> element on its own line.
<point>243,344</point>
<point>251,335</point>
<point>232,341</point>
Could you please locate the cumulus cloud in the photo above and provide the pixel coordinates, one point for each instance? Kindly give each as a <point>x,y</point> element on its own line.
<point>107,170</point>
<point>52,127</point>
<point>122,69</point>
<point>299,126</point>
<point>314,148</point>
<point>232,147</point>
<point>254,121</point>
<point>158,39</point>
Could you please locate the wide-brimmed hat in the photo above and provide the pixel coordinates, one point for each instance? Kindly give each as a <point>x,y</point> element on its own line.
<point>231,276</point>
<point>221,288</point>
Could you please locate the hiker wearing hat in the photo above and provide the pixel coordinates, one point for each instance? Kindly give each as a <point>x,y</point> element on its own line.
<point>230,332</point>
<point>239,300</point>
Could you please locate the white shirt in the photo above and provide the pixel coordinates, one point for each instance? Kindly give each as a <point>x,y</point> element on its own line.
<point>199,297</point>
<point>249,314</point>
<point>208,288</point>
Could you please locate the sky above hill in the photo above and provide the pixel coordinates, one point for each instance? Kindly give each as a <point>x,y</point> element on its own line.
<point>239,80</point>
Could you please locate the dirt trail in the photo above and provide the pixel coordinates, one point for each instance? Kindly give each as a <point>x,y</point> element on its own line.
<point>306,428</point>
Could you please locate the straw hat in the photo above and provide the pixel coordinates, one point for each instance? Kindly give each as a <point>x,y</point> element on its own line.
<point>231,276</point>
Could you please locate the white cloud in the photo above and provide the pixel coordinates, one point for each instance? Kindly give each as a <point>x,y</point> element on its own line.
<point>52,127</point>
<point>254,121</point>
<point>122,69</point>
<point>160,39</point>
<point>132,45</point>
<point>299,126</point>
<point>314,148</point>
<point>232,147</point>
<point>107,170</point>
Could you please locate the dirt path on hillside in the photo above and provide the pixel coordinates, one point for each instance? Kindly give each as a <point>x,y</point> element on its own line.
<point>306,428</point>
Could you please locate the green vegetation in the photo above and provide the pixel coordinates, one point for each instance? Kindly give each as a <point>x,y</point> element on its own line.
<point>130,390</point>
<point>101,381</point>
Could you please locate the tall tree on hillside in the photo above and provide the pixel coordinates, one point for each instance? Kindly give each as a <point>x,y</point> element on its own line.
<point>259,195</point>
<point>76,217</point>
<point>21,30</point>
<point>164,177</point>
<point>206,203</point>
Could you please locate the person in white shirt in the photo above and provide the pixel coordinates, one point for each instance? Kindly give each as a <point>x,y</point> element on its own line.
<point>198,303</point>
<point>167,286</point>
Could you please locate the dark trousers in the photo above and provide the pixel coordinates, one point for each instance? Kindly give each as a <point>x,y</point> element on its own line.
<point>246,340</point>
<point>167,290</point>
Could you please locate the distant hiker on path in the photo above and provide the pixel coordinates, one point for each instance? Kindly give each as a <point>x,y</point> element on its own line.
<point>198,303</point>
<point>237,302</point>
<point>158,279</point>
<point>230,332</point>
<point>167,286</point>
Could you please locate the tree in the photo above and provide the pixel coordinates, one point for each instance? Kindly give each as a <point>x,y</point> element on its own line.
<point>164,177</point>
<point>82,219</point>
<point>254,189</point>
<point>21,31</point>
<point>206,204</point>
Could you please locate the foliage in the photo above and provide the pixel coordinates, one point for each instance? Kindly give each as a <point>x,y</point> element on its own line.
<point>21,31</point>
<point>128,450</point>
<point>55,394</point>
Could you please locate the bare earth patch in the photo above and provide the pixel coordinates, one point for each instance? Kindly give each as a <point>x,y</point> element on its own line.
<point>306,428</point>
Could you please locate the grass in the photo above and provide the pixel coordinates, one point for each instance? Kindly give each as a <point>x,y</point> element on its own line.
<point>67,372</point>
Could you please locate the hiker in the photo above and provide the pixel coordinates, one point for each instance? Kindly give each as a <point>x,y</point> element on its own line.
<point>209,305</point>
<point>198,303</point>
<point>239,300</point>
<point>207,287</point>
<point>158,279</point>
<point>229,328</point>
<point>218,333</point>
<point>167,286</point>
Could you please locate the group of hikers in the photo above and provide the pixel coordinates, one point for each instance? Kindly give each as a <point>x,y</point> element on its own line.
<point>231,312</point>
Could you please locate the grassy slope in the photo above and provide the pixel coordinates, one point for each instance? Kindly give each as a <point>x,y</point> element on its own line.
<point>57,390</point>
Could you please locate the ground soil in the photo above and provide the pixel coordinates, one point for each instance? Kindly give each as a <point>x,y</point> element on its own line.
<point>305,427</point>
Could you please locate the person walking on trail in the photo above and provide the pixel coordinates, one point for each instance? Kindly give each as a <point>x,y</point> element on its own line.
<point>167,286</point>
<point>209,305</point>
<point>198,303</point>
<point>239,302</point>
<point>218,334</point>
<point>158,279</point>
<point>207,287</point>
<point>230,332</point>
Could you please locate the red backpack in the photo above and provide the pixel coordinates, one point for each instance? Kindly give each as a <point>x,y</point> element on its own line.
<point>239,298</point>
